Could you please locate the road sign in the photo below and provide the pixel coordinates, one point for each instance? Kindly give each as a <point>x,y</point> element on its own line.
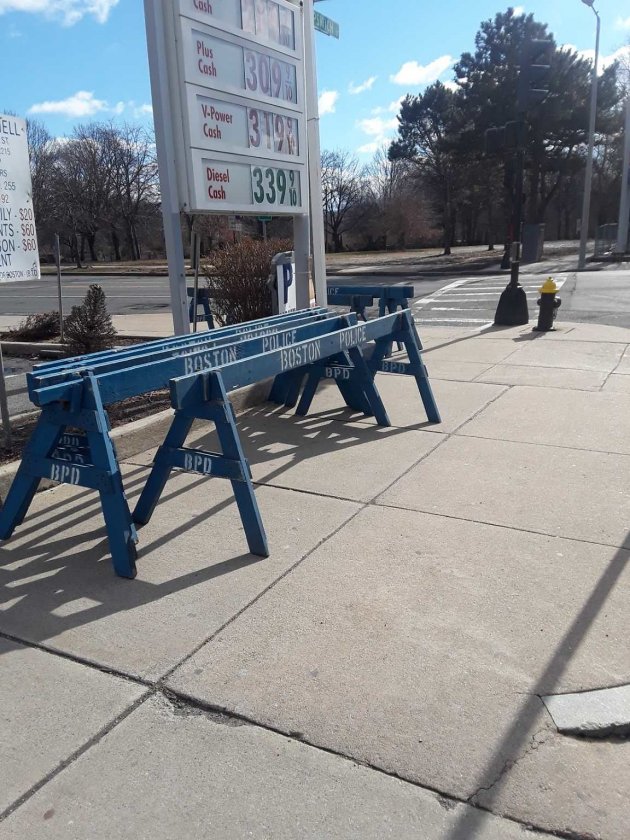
<point>236,95</point>
<point>265,218</point>
<point>326,25</point>
<point>19,254</point>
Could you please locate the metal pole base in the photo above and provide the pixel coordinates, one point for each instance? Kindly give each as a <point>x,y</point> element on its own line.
<point>512,308</point>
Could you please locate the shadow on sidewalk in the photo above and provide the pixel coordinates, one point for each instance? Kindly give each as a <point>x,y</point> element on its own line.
<point>51,582</point>
<point>490,781</point>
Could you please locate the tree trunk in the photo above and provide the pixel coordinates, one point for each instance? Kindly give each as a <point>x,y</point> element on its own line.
<point>91,241</point>
<point>75,250</point>
<point>116,245</point>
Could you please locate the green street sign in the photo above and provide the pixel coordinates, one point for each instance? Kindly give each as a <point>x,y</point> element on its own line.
<point>264,218</point>
<point>326,25</point>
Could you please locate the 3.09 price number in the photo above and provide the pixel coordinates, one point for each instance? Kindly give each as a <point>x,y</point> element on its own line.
<point>272,131</point>
<point>278,187</point>
<point>270,76</point>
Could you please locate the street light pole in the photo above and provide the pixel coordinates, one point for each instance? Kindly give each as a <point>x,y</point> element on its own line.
<point>588,178</point>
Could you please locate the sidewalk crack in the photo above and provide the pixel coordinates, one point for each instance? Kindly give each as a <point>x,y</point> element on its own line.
<point>540,737</point>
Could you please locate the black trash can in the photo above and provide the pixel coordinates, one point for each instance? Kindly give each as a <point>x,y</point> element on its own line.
<point>533,242</point>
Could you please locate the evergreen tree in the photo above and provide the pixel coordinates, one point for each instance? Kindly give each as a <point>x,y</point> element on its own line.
<point>89,327</point>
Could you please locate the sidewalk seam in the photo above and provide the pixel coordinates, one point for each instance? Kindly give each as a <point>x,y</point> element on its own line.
<point>172,695</point>
<point>87,745</point>
<point>614,370</point>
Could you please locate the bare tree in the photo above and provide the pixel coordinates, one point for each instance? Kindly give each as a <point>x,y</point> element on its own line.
<point>135,191</point>
<point>343,186</point>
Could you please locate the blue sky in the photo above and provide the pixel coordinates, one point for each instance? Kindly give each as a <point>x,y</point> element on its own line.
<point>74,61</point>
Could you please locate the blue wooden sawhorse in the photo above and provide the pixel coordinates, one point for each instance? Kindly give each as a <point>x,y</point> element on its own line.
<point>71,441</point>
<point>204,396</point>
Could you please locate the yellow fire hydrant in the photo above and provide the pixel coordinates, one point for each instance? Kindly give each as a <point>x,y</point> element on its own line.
<point>548,305</point>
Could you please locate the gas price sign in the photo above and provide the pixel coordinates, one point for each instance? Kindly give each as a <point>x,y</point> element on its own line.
<point>19,255</point>
<point>240,99</point>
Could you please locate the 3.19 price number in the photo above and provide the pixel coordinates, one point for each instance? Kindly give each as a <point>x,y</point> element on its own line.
<point>279,187</point>
<point>272,131</point>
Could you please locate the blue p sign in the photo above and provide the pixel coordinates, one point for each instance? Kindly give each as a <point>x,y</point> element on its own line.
<point>287,281</point>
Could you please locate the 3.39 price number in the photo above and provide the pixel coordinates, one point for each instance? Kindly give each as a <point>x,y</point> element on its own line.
<point>278,187</point>
<point>270,76</point>
<point>272,131</point>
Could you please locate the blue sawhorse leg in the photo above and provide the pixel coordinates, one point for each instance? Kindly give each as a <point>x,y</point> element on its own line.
<point>352,376</point>
<point>231,464</point>
<point>121,531</point>
<point>162,466</point>
<point>365,381</point>
<point>415,368</point>
<point>26,482</point>
<point>49,455</point>
<point>243,489</point>
<point>351,391</point>
<point>420,374</point>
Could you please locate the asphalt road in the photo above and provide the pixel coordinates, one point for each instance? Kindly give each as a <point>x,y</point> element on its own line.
<point>128,294</point>
<point>443,297</point>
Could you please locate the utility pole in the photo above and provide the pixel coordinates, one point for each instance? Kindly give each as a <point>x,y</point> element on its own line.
<point>588,177</point>
<point>535,64</point>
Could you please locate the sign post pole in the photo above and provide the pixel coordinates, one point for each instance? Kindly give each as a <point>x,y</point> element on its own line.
<point>623,228</point>
<point>4,405</point>
<point>163,119</point>
<point>59,290</point>
<point>314,159</point>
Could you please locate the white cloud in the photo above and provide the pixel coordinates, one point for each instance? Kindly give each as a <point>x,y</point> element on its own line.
<point>145,110</point>
<point>68,12</point>
<point>81,104</point>
<point>519,10</point>
<point>622,23</point>
<point>377,127</point>
<point>380,130</point>
<point>452,86</point>
<point>604,61</point>
<point>369,148</point>
<point>328,101</point>
<point>84,104</point>
<point>366,85</point>
<point>412,73</point>
<point>392,108</point>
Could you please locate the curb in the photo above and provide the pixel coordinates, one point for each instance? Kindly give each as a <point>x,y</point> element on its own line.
<point>21,348</point>
<point>148,432</point>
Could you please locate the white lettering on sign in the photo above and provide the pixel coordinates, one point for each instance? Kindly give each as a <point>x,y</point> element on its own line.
<point>210,359</point>
<point>19,253</point>
<point>72,457</point>
<point>336,373</point>
<point>64,474</point>
<point>394,367</point>
<point>353,336</point>
<point>213,11</point>
<point>275,342</point>
<point>198,463</point>
<point>304,354</point>
<point>72,440</point>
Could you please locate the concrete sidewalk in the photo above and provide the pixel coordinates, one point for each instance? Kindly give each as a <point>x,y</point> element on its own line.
<point>382,673</point>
